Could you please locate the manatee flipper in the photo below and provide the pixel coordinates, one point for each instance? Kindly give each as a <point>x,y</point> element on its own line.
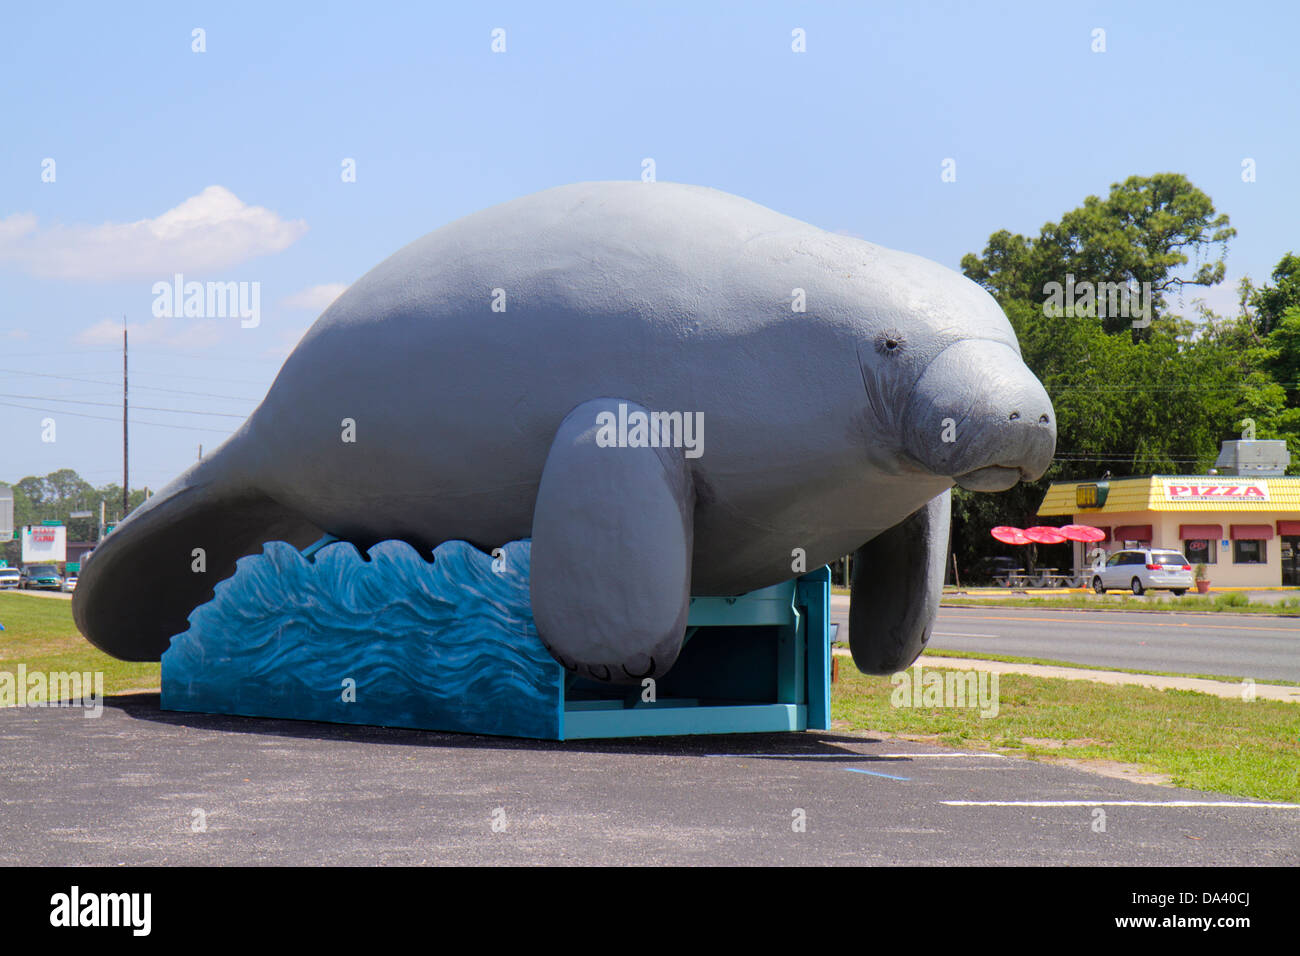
<point>137,588</point>
<point>897,583</point>
<point>613,530</point>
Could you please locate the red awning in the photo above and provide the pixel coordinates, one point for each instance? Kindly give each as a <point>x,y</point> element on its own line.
<point>1251,532</point>
<point>1191,532</point>
<point>1288,527</point>
<point>1133,532</point>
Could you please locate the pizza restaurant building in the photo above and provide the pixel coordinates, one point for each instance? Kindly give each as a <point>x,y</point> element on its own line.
<point>1245,530</point>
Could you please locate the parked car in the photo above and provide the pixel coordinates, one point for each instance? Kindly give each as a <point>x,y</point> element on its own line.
<point>991,568</point>
<point>70,582</point>
<point>36,576</point>
<point>1142,570</point>
<point>9,578</point>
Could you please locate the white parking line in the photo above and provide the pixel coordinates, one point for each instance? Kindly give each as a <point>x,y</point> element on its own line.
<point>902,756</point>
<point>802,756</point>
<point>960,634</point>
<point>954,754</point>
<point>1119,803</point>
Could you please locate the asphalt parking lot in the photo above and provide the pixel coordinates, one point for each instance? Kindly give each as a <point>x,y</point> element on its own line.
<point>142,786</point>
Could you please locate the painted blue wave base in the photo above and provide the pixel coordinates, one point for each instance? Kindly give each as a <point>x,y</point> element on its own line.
<point>390,639</point>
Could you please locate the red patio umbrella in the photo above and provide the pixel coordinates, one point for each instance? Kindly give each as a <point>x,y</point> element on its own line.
<point>1044,535</point>
<point>1082,532</point>
<point>1008,535</point>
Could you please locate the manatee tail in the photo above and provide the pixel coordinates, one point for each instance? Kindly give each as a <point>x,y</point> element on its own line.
<point>137,588</point>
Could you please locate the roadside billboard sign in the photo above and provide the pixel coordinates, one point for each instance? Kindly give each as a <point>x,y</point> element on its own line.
<point>6,513</point>
<point>45,544</point>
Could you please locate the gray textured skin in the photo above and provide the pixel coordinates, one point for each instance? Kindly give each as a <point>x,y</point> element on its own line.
<point>817,435</point>
<point>900,570</point>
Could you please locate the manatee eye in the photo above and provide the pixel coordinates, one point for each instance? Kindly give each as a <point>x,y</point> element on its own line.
<point>889,343</point>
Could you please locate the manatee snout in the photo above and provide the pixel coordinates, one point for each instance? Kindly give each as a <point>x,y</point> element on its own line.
<point>979,416</point>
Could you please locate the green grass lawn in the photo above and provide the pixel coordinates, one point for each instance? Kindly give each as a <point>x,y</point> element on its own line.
<point>39,633</point>
<point>1202,742</point>
<point>1232,603</point>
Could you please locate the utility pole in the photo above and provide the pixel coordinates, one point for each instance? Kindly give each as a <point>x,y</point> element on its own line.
<point>125,488</point>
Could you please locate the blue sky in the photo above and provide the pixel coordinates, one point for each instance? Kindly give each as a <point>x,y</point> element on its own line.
<point>225,165</point>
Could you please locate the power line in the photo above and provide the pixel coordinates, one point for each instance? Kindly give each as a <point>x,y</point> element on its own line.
<point>104,418</point>
<point>225,380</point>
<point>126,498</point>
<point>148,408</point>
<point>101,349</point>
<point>1156,458</point>
<point>155,388</point>
<point>65,352</point>
<point>208,358</point>
<point>200,378</point>
<point>1168,388</point>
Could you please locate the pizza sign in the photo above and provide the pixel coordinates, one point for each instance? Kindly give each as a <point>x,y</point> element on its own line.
<point>1216,491</point>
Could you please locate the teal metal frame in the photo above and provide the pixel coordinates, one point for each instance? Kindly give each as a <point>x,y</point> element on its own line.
<point>770,671</point>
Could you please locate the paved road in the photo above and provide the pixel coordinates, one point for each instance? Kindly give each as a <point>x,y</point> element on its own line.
<point>65,595</point>
<point>123,788</point>
<point>1232,645</point>
<point>1267,596</point>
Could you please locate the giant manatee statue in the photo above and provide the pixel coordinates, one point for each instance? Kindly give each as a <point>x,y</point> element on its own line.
<point>482,367</point>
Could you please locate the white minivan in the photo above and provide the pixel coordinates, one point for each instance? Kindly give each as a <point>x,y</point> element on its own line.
<point>1144,569</point>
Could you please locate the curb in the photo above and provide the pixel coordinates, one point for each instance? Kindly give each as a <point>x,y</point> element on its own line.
<point>1127,610</point>
<point>1225,689</point>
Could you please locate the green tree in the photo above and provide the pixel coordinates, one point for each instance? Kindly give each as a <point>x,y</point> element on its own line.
<point>1269,327</point>
<point>1270,303</point>
<point>1124,408</point>
<point>112,497</point>
<point>55,496</point>
<point>1144,231</point>
<point>1282,351</point>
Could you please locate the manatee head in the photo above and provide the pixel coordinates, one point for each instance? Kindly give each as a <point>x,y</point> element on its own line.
<point>942,371</point>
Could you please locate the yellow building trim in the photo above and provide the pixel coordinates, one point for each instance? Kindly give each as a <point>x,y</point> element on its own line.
<point>1127,495</point>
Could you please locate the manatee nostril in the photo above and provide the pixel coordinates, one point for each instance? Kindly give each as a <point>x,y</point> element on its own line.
<point>1043,419</point>
<point>1014,416</point>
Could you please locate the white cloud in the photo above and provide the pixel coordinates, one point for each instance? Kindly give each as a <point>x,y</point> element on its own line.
<point>19,334</point>
<point>212,230</point>
<point>317,298</point>
<point>15,227</point>
<point>177,333</point>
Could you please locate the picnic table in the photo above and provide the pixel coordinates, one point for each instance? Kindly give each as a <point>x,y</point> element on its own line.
<point>1042,578</point>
